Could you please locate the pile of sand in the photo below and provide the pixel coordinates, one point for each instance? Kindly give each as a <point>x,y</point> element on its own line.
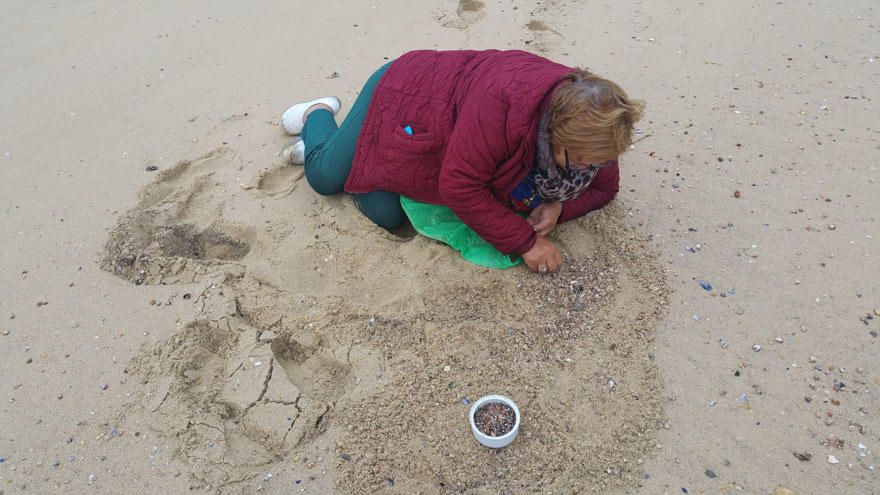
<point>319,331</point>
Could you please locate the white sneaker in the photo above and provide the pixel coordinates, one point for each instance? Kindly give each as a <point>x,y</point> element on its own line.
<point>292,119</point>
<point>294,153</point>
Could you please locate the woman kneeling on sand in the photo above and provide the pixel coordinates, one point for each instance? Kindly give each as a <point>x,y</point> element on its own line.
<point>489,134</point>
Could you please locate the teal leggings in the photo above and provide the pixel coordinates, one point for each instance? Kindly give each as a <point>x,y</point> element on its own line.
<point>330,151</point>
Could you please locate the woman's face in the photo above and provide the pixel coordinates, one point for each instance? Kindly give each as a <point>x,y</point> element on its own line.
<point>578,160</point>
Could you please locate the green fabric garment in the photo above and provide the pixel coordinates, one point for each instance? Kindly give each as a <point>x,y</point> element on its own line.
<point>440,223</point>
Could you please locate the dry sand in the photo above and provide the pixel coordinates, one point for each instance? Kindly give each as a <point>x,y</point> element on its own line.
<point>215,326</point>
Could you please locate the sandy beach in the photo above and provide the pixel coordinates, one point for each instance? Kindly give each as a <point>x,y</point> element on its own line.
<point>182,313</point>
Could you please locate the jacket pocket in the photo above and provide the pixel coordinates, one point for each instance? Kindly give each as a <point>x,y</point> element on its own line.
<point>422,140</point>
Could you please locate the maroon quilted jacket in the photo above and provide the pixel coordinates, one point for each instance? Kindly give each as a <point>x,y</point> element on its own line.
<point>474,120</point>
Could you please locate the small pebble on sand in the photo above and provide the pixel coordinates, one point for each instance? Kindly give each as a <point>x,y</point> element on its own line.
<point>803,457</point>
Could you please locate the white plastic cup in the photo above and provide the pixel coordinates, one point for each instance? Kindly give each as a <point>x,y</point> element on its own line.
<point>503,440</point>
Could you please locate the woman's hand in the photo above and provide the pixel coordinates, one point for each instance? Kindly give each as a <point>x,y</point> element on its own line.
<point>543,257</point>
<point>544,217</point>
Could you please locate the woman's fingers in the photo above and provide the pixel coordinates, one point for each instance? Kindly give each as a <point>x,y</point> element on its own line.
<point>534,217</point>
<point>543,257</point>
<point>538,266</point>
<point>545,230</point>
<point>543,225</point>
<point>555,260</point>
<point>551,264</point>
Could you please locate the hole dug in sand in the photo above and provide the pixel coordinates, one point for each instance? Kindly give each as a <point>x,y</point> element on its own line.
<point>183,241</point>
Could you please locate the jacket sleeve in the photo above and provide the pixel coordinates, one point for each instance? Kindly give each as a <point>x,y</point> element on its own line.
<point>603,189</point>
<point>478,143</point>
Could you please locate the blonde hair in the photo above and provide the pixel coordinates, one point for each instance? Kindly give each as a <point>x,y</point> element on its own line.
<point>591,115</point>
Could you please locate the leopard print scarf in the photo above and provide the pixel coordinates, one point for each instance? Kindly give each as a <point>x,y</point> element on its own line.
<point>555,183</point>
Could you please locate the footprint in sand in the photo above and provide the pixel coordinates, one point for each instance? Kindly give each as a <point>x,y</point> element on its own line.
<point>177,230</point>
<point>278,181</point>
<point>545,36</point>
<point>465,13</point>
<point>316,372</point>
